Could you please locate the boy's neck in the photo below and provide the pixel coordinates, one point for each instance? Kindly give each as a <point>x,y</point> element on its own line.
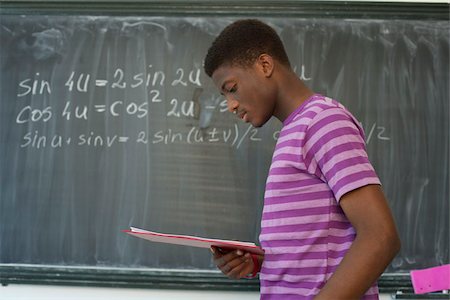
<point>292,93</point>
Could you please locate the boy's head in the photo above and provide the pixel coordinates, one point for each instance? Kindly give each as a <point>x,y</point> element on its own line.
<point>241,43</point>
<point>249,66</point>
<point>244,63</point>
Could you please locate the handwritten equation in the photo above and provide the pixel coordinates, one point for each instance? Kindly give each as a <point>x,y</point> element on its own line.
<point>154,81</point>
<point>194,135</point>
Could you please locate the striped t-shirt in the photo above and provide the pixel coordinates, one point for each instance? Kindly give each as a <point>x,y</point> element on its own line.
<point>320,155</point>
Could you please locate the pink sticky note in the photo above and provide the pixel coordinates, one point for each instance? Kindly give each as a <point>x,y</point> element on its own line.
<point>431,280</point>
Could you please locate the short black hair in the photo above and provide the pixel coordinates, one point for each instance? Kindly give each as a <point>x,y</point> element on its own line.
<point>241,43</point>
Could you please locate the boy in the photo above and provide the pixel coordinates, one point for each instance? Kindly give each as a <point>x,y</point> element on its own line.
<point>326,228</point>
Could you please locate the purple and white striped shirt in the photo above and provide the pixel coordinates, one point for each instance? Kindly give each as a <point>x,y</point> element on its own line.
<point>320,155</point>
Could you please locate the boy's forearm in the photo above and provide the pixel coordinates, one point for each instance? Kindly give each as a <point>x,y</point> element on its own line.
<point>365,261</point>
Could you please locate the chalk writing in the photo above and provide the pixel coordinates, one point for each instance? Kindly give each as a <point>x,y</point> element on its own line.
<point>35,87</point>
<point>195,135</point>
<point>36,140</point>
<point>185,108</point>
<point>29,114</point>
<point>80,112</point>
<point>82,82</point>
<point>380,132</point>
<point>157,98</point>
<point>302,75</point>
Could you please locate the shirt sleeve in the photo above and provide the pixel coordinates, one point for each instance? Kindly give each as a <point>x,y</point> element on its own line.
<point>335,151</point>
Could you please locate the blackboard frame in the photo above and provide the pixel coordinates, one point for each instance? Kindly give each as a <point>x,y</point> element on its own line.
<point>154,279</point>
<point>397,284</point>
<point>255,8</point>
<point>194,279</point>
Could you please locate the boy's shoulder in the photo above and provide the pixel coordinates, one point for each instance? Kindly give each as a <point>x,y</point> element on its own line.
<point>320,110</point>
<point>317,104</point>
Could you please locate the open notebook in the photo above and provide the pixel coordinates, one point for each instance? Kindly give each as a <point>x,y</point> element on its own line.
<point>194,241</point>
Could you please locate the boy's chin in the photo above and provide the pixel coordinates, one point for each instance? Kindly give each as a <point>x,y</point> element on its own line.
<point>257,124</point>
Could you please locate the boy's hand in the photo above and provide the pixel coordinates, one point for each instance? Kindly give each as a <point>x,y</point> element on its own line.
<point>235,264</point>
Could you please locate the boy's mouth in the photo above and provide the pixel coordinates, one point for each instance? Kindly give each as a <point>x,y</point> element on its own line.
<point>242,115</point>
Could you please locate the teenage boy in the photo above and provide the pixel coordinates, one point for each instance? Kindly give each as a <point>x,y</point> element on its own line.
<point>327,230</point>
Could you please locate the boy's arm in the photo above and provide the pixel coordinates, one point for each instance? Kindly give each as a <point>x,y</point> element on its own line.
<point>374,247</point>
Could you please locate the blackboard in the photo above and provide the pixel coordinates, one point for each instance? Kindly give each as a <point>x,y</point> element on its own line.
<point>108,122</point>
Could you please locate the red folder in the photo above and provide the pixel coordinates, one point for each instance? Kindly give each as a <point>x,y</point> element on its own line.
<point>194,241</point>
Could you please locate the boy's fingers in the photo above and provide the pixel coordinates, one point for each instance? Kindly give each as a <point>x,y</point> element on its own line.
<point>218,252</point>
<point>236,271</point>
<point>214,251</point>
<point>229,257</point>
<point>234,263</point>
<point>231,263</point>
<point>239,271</point>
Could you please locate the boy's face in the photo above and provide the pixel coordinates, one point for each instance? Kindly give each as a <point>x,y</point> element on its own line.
<point>249,92</point>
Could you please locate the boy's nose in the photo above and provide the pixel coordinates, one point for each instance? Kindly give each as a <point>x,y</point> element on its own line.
<point>232,105</point>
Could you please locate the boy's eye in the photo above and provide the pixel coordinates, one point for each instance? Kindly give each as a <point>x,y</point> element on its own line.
<point>232,89</point>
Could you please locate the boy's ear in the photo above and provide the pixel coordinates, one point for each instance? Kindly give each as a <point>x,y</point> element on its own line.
<point>266,64</point>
